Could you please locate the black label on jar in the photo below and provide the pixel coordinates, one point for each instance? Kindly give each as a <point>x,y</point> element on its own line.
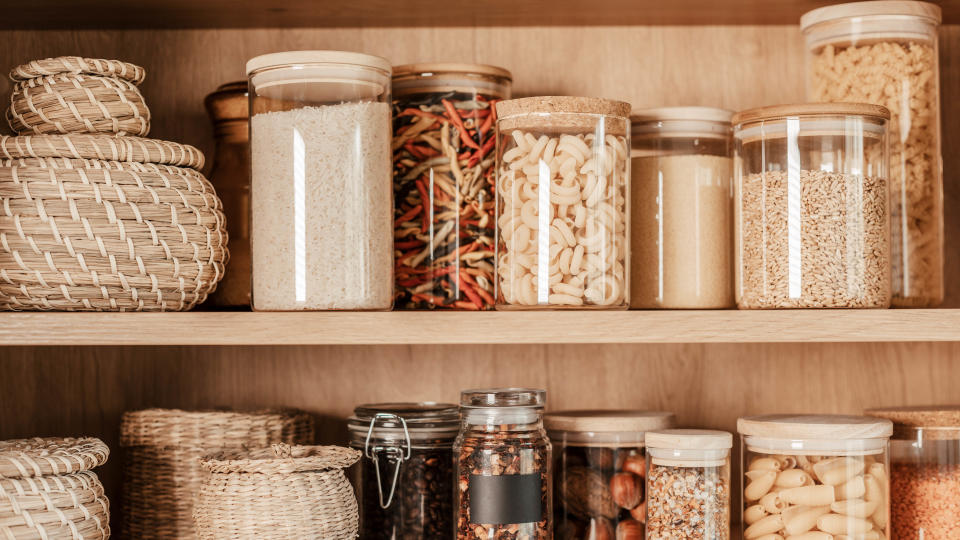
<point>506,499</point>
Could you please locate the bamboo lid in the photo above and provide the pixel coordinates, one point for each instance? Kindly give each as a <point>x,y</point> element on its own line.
<point>937,423</point>
<point>690,439</point>
<point>818,427</point>
<point>703,114</point>
<point>908,8</point>
<point>779,112</point>
<point>608,421</point>
<point>562,104</point>
<point>407,70</point>
<point>317,57</point>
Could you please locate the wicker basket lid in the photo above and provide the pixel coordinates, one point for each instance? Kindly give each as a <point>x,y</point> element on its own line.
<point>212,429</point>
<point>26,458</point>
<point>78,64</point>
<point>281,459</point>
<point>102,147</point>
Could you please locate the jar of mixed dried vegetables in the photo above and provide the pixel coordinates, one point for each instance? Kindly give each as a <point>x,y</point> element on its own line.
<point>503,466</point>
<point>443,179</point>
<point>404,480</point>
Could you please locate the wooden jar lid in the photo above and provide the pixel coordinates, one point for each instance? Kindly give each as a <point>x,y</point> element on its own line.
<point>407,70</point>
<point>937,423</point>
<point>228,102</point>
<point>908,8</point>
<point>816,427</point>
<point>608,421</point>
<point>690,439</point>
<point>779,112</point>
<point>562,104</point>
<point>317,57</point>
<point>663,114</point>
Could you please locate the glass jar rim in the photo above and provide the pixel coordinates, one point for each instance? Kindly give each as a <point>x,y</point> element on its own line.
<point>501,398</point>
<point>317,58</point>
<point>439,69</point>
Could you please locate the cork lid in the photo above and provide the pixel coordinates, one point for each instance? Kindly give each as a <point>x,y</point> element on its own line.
<point>436,68</point>
<point>562,104</point>
<point>779,112</point>
<point>937,422</point>
<point>901,8</point>
<point>690,439</point>
<point>608,421</point>
<point>816,427</point>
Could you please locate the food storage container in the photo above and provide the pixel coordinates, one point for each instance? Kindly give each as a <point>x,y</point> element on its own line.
<point>504,482</point>
<point>820,476</point>
<point>811,213</point>
<point>230,174</point>
<point>681,209</point>
<point>924,471</point>
<point>566,245</point>
<point>404,479</point>
<point>688,484</point>
<point>322,201</point>
<point>886,53</point>
<point>599,470</point>
<point>443,176</point>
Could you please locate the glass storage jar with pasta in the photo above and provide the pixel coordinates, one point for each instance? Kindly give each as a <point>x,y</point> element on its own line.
<point>681,187</point>
<point>688,484</point>
<point>924,471</point>
<point>599,470</point>
<point>885,52</point>
<point>322,205</point>
<point>563,187</point>
<point>811,216</point>
<point>816,477</point>
<point>444,143</point>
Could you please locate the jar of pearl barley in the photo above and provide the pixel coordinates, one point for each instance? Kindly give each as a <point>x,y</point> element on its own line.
<point>563,190</point>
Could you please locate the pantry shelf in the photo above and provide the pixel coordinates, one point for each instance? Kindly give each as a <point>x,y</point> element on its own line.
<point>436,328</point>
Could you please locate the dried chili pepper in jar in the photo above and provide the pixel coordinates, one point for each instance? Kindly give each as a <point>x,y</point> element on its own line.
<point>443,179</point>
<point>504,483</point>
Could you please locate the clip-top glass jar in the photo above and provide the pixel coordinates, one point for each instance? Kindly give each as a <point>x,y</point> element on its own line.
<point>322,201</point>
<point>563,189</point>
<point>811,217</point>
<point>681,186</point>
<point>885,52</point>
<point>404,480</point>
<point>924,472</point>
<point>599,470</point>
<point>821,476</point>
<point>504,481</point>
<point>443,179</point>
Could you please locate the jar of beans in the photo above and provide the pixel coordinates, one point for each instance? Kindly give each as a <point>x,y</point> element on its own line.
<point>815,477</point>
<point>885,52</point>
<point>404,480</point>
<point>503,459</point>
<point>924,471</point>
<point>563,183</point>
<point>444,140</point>
<point>599,470</point>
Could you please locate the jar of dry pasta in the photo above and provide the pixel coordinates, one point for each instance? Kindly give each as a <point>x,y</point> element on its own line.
<point>681,209</point>
<point>563,183</point>
<point>815,477</point>
<point>811,217</point>
<point>885,53</point>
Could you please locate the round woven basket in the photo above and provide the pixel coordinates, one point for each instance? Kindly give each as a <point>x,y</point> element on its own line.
<point>70,94</point>
<point>100,223</point>
<point>278,493</point>
<point>162,451</point>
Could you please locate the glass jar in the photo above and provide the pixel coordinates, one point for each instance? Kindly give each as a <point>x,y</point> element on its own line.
<point>811,219</point>
<point>599,470</point>
<point>885,53</point>
<point>924,472</point>
<point>503,466</point>
<point>816,475</point>
<point>681,209</point>
<point>404,480</point>
<point>230,174</point>
<point>443,179</point>
<point>322,202</point>
<point>566,246</point>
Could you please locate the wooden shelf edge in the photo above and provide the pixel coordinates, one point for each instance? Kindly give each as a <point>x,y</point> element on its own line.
<point>443,328</point>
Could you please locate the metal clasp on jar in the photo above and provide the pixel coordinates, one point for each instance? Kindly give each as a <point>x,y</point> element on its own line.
<point>394,455</point>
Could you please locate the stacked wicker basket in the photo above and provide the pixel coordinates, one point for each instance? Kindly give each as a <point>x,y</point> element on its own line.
<point>92,216</point>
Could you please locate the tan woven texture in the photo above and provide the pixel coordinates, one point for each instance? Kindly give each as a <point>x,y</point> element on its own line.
<point>71,94</point>
<point>162,451</point>
<point>47,491</point>
<point>277,494</point>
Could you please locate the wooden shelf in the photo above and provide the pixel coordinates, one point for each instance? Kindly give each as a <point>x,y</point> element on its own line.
<point>349,328</point>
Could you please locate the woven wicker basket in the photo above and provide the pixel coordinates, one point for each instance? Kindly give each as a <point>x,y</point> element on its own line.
<point>100,223</point>
<point>162,451</point>
<point>277,494</point>
<point>48,492</point>
<point>71,94</point>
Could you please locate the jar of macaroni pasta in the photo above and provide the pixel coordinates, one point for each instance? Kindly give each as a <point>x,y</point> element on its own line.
<point>811,216</point>
<point>924,471</point>
<point>681,209</point>
<point>599,470</point>
<point>563,188</point>
<point>820,476</point>
<point>885,52</point>
<point>322,197</point>
<point>688,484</point>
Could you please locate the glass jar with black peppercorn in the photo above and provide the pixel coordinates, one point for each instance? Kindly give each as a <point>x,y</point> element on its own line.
<point>404,481</point>
<point>504,482</point>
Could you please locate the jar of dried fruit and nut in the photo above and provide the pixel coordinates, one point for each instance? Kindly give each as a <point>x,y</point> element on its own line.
<point>599,469</point>
<point>404,480</point>
<point>503,458</point>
